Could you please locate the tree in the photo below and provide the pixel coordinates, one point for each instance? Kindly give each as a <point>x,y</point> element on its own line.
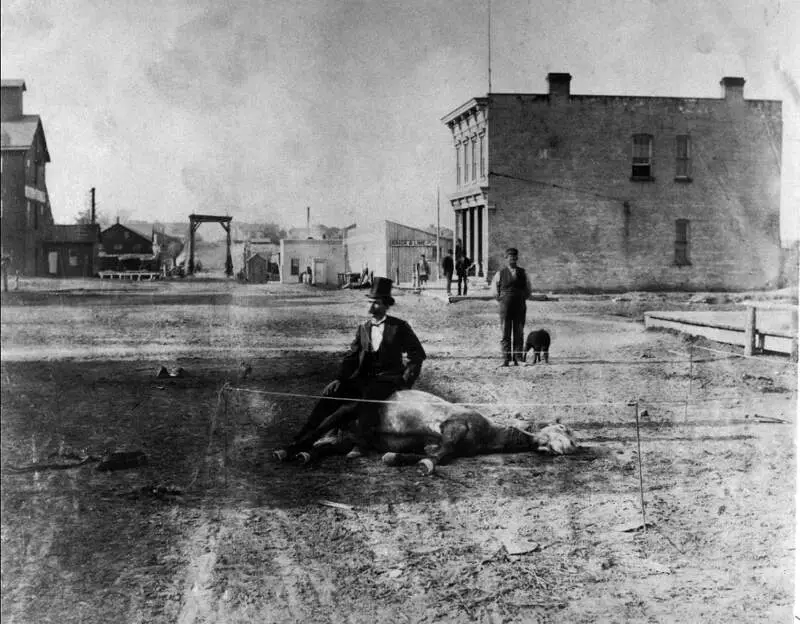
<point>174,248</point>
<point>271,230</point>
<point>84,217</point>
<point>332,233</point>
<point>443,231</point>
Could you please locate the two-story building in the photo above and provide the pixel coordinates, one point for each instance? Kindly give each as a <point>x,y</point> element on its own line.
<point>123,248</point>
<point>621,192</point>
<point>25,215</point>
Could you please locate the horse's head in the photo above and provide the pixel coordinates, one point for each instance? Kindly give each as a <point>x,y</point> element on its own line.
<point>557,439</point>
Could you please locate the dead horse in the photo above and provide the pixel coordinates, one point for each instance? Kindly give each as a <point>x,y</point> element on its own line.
<point>419,427</point>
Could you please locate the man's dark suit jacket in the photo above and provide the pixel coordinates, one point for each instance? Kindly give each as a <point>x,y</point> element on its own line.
<point>398,338</point>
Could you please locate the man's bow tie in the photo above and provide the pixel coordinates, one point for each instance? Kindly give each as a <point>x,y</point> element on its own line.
<point>377,323</point>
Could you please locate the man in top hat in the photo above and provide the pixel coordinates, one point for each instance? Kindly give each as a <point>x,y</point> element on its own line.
<point>511,287</point>
<point>372,369</point>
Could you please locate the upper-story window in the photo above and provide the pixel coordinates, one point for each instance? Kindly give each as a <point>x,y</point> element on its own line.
<point>683,168</point>
<point>458,164</point>
<point>482,152</point>
<point>642,160</point>
<point>466,160</point>
<point>473,146</point>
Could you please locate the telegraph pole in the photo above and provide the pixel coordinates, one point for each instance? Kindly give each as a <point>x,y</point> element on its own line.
<point>93,214</point>
<point>438,246</point>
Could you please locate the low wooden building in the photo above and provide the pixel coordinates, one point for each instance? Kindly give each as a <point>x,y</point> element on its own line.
<point>389,249</point>
<point>71,250</point>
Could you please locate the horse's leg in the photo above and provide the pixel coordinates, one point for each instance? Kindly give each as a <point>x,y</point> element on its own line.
<point>338,418</point>
<point>401,459</point>
<point>454,432</point>
<point>336,443</point>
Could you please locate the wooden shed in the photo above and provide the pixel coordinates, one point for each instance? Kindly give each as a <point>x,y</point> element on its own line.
<point>256,269</point>
<point>71,250</point>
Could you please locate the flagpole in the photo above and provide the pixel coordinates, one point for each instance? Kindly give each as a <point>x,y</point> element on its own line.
<point>489,29</point>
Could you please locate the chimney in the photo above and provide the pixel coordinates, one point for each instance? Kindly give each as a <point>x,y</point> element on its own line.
<point>11,104</point>
<point>732,88</point>
<point>559,84</point>
<point>308,221</point>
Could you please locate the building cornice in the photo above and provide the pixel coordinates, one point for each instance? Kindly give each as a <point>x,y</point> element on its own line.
<point>465,110</point>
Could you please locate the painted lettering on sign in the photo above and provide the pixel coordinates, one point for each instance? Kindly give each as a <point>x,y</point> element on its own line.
<point>412,243</point>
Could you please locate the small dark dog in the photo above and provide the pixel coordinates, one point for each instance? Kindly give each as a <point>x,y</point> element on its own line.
<point>539,341</point>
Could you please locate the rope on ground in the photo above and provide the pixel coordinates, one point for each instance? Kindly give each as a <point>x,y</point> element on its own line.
<point>212,425</point>
<point>456,355</point>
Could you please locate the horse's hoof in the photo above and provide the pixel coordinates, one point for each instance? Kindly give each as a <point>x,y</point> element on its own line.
<point>303,457</point>
<point>280,455</point>
<point>390,459</point>
<point>426,466</point>
<point>355,453</point>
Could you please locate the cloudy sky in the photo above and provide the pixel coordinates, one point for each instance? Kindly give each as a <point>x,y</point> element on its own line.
<point>260,108</point>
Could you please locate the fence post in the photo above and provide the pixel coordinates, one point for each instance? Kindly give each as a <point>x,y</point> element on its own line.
<point>750,331</point>
<point>689,390</point>
<point>639,455</point>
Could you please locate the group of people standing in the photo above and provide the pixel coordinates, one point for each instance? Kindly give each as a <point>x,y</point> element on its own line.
<point>460,267</point>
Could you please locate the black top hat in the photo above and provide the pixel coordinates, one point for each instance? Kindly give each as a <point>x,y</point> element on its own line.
<point>381,289</point>
<point>512,251</point>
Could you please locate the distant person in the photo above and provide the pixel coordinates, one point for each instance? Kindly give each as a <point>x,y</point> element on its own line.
<point>373,369</point>
<point>448,267</point>
<point>463,264</point>
<point>364,282</point>
<point>511,286</point>
<point>423,271</point>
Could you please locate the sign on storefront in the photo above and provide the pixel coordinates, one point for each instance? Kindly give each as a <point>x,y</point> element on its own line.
<point>412,243</point>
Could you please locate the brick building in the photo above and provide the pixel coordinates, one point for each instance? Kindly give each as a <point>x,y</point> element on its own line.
<point>621,192</point>
<point>25,215</point>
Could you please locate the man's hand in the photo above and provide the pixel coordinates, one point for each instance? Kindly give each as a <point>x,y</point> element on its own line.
<point>332,387</point>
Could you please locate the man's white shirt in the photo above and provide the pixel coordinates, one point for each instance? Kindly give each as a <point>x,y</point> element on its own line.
<point>376,333</point>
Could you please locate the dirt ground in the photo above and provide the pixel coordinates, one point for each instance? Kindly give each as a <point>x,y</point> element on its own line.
<point>210,530</point>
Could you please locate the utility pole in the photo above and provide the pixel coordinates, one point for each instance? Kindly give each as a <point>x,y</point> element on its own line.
<point>438,246</point>
<point>93,214</point>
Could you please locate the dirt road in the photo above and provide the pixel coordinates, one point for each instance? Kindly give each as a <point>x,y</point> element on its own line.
<point>211,531</point>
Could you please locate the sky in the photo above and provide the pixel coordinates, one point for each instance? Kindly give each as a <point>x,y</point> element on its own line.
<point>260,109</point>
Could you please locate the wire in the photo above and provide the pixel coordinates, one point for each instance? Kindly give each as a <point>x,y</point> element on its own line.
<point>562,187</point>
<point>512,404</point>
